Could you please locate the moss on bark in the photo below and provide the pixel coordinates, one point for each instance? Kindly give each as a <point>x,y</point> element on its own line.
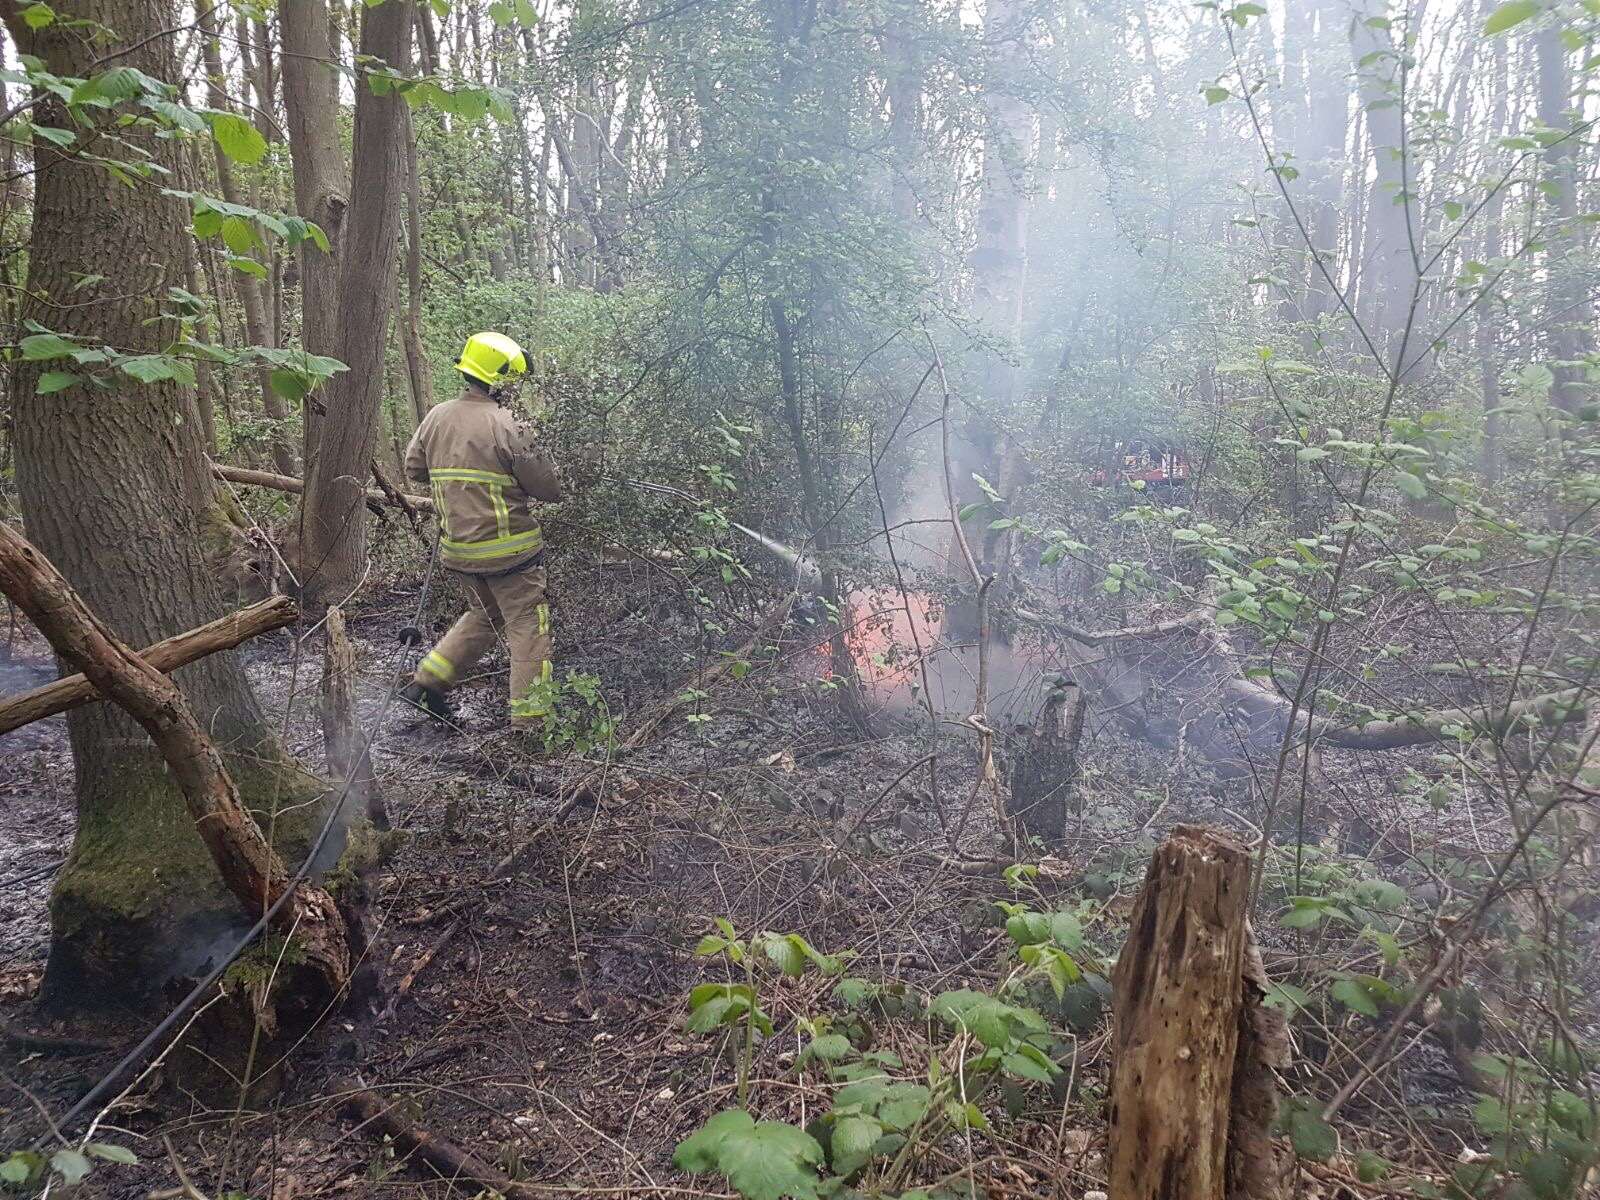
<point>139,900</point>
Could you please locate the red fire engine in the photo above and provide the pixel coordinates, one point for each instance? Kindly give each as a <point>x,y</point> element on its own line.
<point>1150,463</point>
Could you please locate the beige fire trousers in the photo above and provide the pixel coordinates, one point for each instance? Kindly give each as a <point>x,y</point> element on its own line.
<point>508,606</point>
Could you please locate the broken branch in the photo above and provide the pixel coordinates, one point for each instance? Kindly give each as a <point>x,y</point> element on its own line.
<point>166,656</point>
<point>451,1161</point>
<point>297,487</point>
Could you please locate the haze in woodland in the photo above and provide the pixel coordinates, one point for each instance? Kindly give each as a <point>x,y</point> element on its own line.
<point>800,598</point>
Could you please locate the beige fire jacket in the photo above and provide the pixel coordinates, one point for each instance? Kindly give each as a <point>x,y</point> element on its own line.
<point>486,472</point>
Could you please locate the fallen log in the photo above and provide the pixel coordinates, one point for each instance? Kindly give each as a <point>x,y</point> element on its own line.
<point>166,656</point>
<point>1257,703</point>
<point>297,487</point>
<point>248,865</point>
<point>1192,1091</point>
<point>380,1119</point>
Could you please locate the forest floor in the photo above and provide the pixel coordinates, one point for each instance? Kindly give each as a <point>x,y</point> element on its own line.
<point>546,1030</point>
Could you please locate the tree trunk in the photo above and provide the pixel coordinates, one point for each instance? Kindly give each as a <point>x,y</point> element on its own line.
<point>1190,1036</point>
<point>248,287</point>
<point>1486,318</point>
<point>115,492</point>
<point>334,532</point>
<point>419,376</point>
<point>1568,306</point>
<point>1388,262</point>
<point>1000,258</point>
<point>311,100</point>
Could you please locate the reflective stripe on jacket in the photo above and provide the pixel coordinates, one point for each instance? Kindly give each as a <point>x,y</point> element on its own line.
<point>485,472</point>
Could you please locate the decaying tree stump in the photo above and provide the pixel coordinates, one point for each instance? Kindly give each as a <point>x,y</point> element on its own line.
<point>341,732</point>
<point>1193,1091</point>
<point>1044,764</point>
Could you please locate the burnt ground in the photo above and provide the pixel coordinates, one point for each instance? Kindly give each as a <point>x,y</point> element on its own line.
<point>546,1030</point>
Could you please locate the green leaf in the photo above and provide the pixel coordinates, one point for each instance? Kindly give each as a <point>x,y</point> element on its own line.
<point>116,1154</point>
<point>288,384</point>
<point>772,1161</point>
<point>1510,15</point>
<point>1351,994</point>
<point>248,265</point>
<point>1370,1167</point>
<point>119,83</point>
<point>853,993</point>
<point>1411,485</point>
<point>719,1010</point>
<point>54,381</point>
<point>1301,918</point>
<point>830,1047</point>
<point>788,957</point>
<point>56,137</point>
<point>852,1142</point>
<point>157,368</point>
<point>19,1168</point>
<point>1215,94</point>
<point>207,223</point>
<point>177,115</point>
<point>865,1094</point>
<point>38,16</point>
<point>41,347</point>
<point>240,235</point>
<point>1311,1136</point>
<point>1028,928</point>
<point>500,13</point>
<point>698,1152</point>
<point>1026,1068</point>
<point>72,1165</point>
<point>1066,931</point>
<point>237,138</point>
<point>1288,997</point>
<point>904,1105</point>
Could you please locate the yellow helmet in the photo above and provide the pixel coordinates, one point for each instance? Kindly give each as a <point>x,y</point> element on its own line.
<point>491,359</point>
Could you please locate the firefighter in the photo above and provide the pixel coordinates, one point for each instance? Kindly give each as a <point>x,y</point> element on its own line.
<point>486,471</point>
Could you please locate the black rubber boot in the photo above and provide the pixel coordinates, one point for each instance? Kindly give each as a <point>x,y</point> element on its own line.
<point>429,700</point>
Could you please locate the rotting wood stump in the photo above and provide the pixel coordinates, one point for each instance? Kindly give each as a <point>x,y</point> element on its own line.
<point>1193,1093</point>
<point>1044,765</point>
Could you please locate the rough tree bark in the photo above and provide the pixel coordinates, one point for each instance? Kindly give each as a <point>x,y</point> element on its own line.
<point>321,192</point>
<point>115,492</point>
<point>1186,1030</point>
<point>339,445</point>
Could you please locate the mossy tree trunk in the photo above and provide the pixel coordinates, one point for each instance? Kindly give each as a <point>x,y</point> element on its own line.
<point>115,492</point>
